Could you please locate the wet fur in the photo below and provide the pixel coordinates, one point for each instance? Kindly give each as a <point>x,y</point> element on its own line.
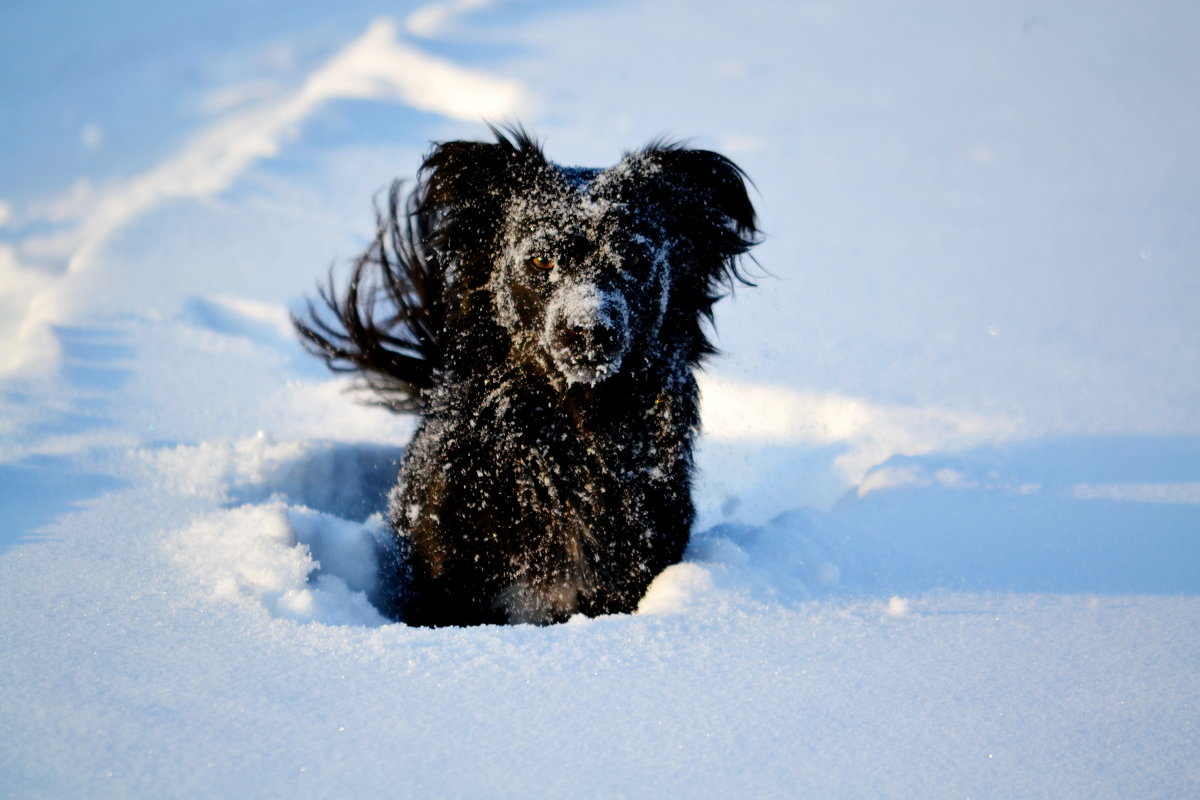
<point>545,322</point>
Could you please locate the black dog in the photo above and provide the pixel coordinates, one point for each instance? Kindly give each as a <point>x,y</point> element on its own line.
<point>545,321</point>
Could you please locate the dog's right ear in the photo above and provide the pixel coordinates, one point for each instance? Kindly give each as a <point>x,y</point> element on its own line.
<point>464,187</point>
<point>462,175</point>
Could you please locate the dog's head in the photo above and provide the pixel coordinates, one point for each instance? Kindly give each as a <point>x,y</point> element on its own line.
<point>588,271</point>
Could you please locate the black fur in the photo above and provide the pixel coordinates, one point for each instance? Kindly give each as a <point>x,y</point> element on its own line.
<point>545,322</point>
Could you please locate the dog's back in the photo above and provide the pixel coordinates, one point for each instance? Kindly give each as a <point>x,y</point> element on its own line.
<point>546,322</point>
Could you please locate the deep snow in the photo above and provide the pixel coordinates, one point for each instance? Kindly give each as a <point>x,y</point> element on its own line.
<point>950,501</point>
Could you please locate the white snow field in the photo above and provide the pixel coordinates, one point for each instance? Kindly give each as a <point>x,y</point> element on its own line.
<point>949,535</point>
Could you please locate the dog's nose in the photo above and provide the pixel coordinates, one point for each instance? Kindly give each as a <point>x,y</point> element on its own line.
<point>588,332</point>
<point>600,339</point>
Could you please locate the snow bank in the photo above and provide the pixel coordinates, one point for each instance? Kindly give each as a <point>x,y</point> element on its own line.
<point>350,480</point>
<point>298,564</point>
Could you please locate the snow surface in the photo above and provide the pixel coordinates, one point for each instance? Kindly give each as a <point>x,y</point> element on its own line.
<point>950,500</point>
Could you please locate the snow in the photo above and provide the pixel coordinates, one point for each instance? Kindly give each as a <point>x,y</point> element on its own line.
<point>950,492</point>
<point>295,563</point>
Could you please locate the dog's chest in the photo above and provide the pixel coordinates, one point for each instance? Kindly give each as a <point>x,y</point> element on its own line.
<point>603,436</point>
<point>517,448</point>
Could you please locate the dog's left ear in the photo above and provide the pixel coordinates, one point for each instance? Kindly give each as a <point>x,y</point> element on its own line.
<point>706,202</point>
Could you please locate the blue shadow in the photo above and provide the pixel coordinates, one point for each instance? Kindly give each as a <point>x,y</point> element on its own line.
<point>37,490</point>
<point>1050,516</point>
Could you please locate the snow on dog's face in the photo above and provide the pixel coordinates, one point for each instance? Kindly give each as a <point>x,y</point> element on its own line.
<point>583,276</point>
<point>570,273</point>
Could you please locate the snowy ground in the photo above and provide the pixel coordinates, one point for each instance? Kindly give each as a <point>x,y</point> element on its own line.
<point>950,506</point>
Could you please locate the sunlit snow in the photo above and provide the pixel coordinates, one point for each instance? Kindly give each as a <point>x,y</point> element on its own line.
<point>949,499</point>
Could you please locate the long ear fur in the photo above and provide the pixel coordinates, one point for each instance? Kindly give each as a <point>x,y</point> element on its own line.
<point>425,270</point>
<point>711,214</point>
<point>464,189</point>
<point>708,193</point>
<point>386,324</point>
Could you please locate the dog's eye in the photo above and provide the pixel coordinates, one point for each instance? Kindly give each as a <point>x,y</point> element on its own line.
<point>538,262</point>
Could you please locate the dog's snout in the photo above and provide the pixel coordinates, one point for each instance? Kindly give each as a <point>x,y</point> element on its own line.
<point>600,338</point>
<point>587,332</point>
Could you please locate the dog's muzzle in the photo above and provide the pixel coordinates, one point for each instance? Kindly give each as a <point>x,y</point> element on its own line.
<point>587,332</point>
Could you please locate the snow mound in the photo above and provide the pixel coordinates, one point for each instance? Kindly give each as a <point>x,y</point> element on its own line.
<point>296,563</point>
<point>349,480</point>
<point>796,557</point>
<point>300,534</point>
